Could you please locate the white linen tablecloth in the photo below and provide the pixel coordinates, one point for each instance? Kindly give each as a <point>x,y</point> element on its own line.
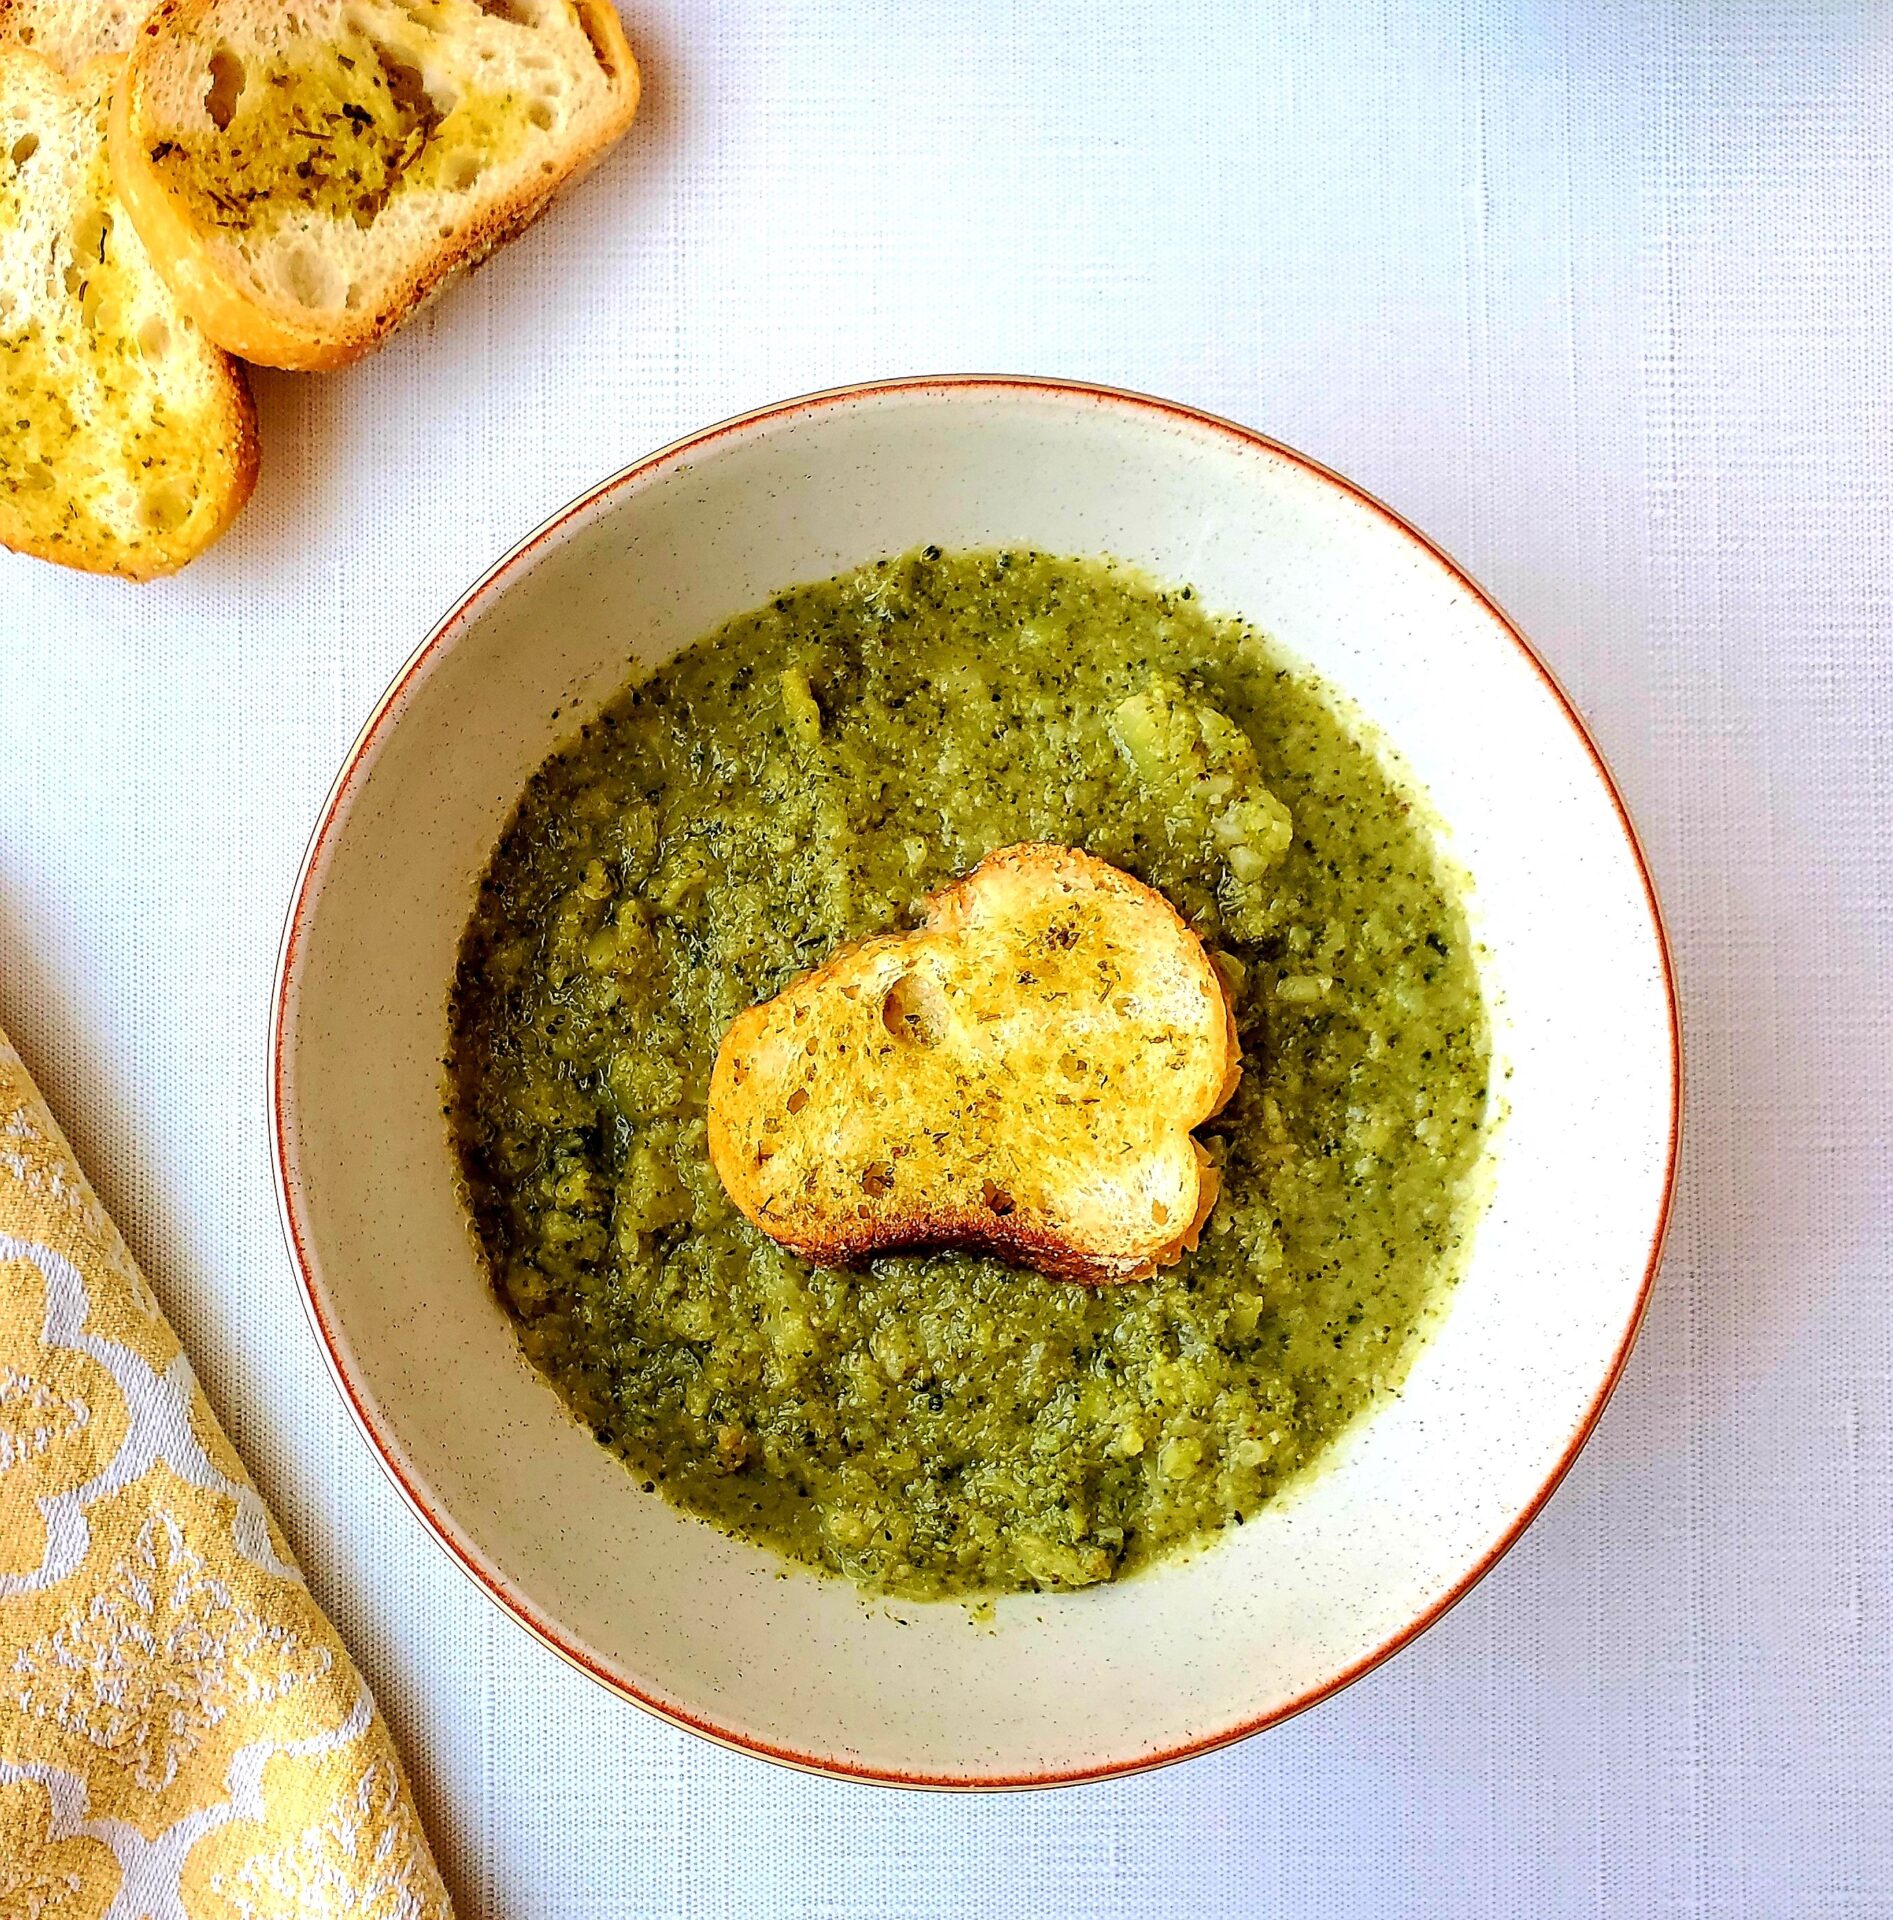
<point>1598,294</point>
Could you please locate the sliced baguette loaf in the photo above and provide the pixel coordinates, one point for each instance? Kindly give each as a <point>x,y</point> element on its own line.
<point>127,441</point>
<point>1020,1075</point>
<point>306,177</point>
<point>70,32</point>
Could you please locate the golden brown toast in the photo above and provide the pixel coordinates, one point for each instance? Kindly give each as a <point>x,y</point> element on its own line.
<point>1020,1075</point>
<point>127,441</point>
<point>307,177</point>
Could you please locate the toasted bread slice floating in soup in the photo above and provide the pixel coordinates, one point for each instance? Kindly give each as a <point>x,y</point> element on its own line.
<point>1020,1075</point>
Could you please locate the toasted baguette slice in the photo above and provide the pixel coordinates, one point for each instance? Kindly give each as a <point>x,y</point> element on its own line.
<point>1020,1075</point>
<point>127,441</point>
<point>306,177</point>
<point>70,32</point>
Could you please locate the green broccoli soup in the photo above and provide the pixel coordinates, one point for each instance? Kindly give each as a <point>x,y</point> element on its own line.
<point>942,1424</point>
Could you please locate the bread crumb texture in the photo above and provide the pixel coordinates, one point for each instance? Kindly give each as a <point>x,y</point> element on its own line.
<point>69,32</point>
<point>126,440</point>
<point>1019,1075</point>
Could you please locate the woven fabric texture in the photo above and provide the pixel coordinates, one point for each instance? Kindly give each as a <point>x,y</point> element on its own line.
<point>180,1733</point>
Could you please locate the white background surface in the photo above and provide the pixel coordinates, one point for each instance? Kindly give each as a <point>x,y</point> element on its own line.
<point>1595,293</point>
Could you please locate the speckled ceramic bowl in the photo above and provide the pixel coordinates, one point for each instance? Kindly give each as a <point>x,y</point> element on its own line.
<point>1416,1504</point>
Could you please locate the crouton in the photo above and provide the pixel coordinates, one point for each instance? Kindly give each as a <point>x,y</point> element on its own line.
<point>1020,1075</point>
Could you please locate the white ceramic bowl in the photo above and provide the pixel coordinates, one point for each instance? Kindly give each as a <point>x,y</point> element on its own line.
<point>1420,1499</point>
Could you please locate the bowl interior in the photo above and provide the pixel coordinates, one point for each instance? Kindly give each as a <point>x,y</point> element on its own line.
<point>1416,1500</point>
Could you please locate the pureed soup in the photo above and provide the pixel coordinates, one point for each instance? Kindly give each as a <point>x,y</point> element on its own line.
<point>940,1424</point>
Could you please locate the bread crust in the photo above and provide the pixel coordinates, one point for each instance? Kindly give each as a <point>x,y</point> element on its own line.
<point>228,312</point>
<point>752,1140</point>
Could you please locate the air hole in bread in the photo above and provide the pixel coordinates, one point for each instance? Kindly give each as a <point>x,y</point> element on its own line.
<point>166,506</point>
<point>407,88</point>
<point>353,297</point>
<point>312,278</point>
<point>600,51</point>
<point>154,338</point>
<point>461,170</point>
<point>876,1181</point>
<point>1159,1213</point>
<point>914,1011</point>
<point>996,1200</point>
<point>521,13</point>
<point>98,310</point>
<point>541,116</point>
<point>225,88</point>
<point>797,1100</point>
<point>89,239</point>
<point>24,148</point>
